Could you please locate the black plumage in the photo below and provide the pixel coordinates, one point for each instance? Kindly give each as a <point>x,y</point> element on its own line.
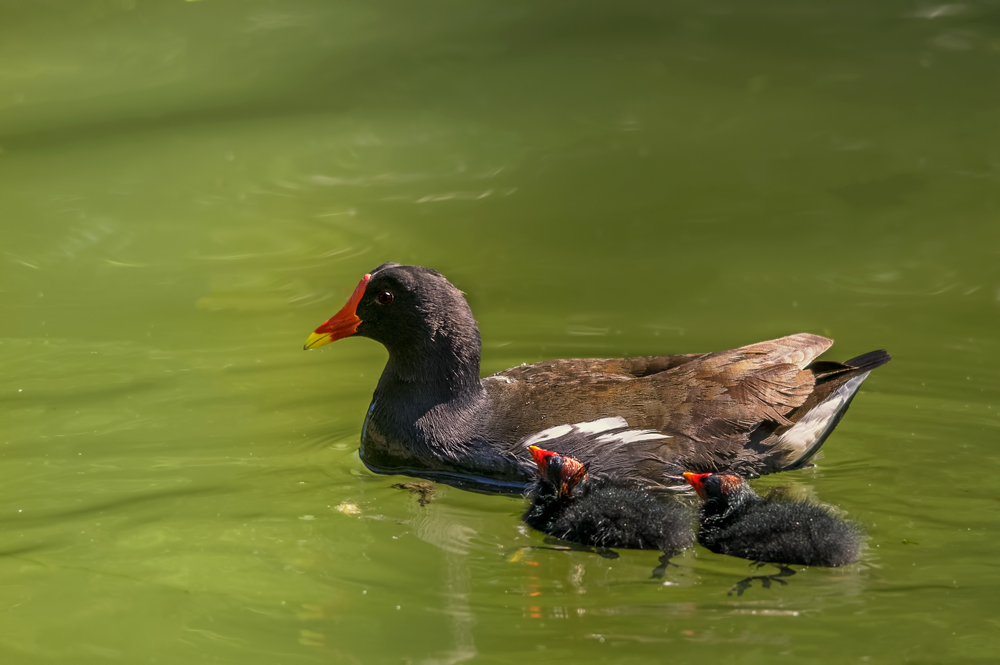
<point>738,522</point>
<point>757,409</point>
<point>603,513</point>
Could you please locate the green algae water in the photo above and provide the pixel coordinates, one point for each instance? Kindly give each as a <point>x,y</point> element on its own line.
<point>187,189</point>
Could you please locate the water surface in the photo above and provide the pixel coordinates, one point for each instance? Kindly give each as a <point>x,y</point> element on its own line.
<point>188,188</point>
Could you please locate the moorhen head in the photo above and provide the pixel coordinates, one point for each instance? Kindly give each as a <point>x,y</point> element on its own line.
<point>420,318</point>
<point>738,522</point>
<point>757,409</point>
<point>557,475</point>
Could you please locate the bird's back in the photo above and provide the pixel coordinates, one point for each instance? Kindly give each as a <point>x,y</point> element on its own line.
<point>738,410</point>
<point>775,531</point>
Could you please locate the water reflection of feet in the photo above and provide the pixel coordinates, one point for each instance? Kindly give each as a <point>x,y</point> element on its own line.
<point>665,563</point>
<point>557,545</point>
<point>422,491</point>
<point>765,580</point>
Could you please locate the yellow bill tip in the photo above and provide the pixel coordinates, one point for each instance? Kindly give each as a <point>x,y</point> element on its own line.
<point>317,340</point>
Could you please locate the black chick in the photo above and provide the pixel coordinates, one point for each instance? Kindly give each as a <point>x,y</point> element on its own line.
<point>738,522</point>
<point>601,513</point>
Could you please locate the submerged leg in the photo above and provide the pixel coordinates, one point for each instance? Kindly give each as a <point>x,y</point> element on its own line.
<point>557,545</point>
<point>665,562</point>
<point>765,580</point>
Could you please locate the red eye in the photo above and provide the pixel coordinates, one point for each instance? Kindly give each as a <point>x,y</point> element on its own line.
<point>384,298</point>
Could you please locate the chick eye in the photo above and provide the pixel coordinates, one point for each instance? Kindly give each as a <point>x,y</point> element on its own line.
<point>384,298</point>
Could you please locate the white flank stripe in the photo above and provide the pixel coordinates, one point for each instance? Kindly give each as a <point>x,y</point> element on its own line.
<point>548,434</point>
<point>643,435</point>
<point>601,425</point>
<point>632,435</point>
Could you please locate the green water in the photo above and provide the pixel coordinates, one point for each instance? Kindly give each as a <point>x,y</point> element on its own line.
<point>187,189</point>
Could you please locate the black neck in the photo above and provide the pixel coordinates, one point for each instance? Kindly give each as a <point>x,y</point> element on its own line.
<point>435,371</point>
<point>430,401</point>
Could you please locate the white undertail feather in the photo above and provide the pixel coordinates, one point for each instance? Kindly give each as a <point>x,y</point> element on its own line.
<point>799,443</point>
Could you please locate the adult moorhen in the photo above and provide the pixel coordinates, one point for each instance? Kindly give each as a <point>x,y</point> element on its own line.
<point>738,522</point>
<point>603,513</point>
<point>757,409</point>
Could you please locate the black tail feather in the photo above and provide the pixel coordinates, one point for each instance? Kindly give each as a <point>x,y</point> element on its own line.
<point>869,361</point>
<point>832,380</point>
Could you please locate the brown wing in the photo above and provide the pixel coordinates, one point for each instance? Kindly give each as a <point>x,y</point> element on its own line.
<point>727,394</point>
<point>593,368</point>
<point>704,397</point>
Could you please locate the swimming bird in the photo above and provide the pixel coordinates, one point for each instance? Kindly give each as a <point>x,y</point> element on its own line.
<point>758,409</point>
<point>603,513</point>
<point>738,522</point>
<point>568,504</point>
